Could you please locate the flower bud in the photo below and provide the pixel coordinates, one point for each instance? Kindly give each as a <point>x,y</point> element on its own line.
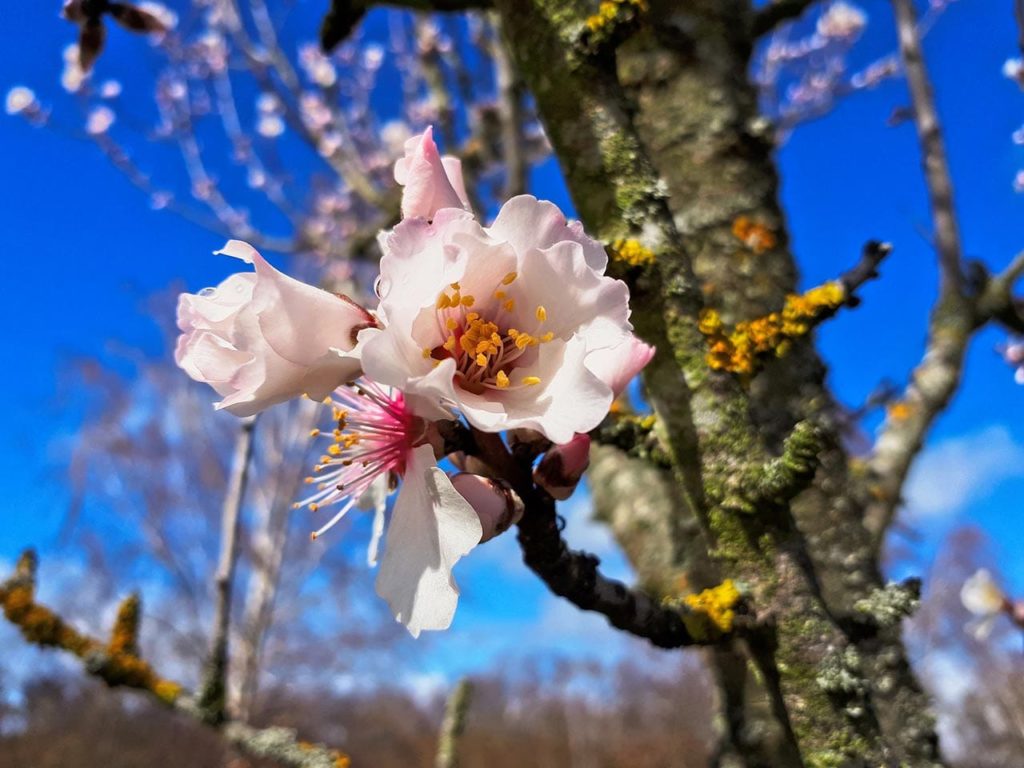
<point>560,470</point>
<point>497,505</point>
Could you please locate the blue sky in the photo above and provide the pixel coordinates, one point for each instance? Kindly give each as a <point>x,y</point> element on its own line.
<point>82,250</point>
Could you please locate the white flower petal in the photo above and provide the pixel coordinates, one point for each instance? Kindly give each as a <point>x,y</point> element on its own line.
<point>432,526</point>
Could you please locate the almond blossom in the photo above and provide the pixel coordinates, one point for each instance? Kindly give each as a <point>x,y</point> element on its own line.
<point>982,597</point>
<point>377,442</point>
<point>500,323</point>
<point>431,182</point>
<point>261,338</point>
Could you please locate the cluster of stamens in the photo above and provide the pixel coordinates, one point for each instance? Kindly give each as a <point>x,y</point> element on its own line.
<point>372,435</point>
<point>485,350</point>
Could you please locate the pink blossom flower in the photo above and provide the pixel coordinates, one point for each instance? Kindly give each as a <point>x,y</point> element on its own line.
<point>562,467</point>
<point>499,323</point>
<point>431,182</point>
<point>495,504</point>
<point>261,337</point>
<point>377,442</point>
<point>616,366</point>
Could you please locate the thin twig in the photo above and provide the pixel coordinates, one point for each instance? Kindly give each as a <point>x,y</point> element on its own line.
<point>453,725</point>
<point>933,150</point>
<point>212,692</point>
<point>510,112</point>
<point>778,12</point>
<point>955,317</point>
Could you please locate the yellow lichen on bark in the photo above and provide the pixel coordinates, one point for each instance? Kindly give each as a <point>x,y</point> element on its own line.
<point>739,349</point>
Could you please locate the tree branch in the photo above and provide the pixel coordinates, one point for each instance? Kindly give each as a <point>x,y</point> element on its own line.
<point>453,725</point>
<point>343,15</point>
<point>954,318</point>
<point>568,573</point>
<point>212,692</point>
<point>933,150</point>
<point>778,12</point>
<point>118,664</point>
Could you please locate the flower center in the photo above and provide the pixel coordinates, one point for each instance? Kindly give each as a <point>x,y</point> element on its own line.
<point>372,436</point>
<point>486,349</point>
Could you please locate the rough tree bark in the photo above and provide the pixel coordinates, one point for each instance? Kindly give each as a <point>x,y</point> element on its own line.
<point>657,129</point>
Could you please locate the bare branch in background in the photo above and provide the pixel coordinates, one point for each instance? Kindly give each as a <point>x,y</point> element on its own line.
<point>955,316</point>
<point>213,691</point>
<point>778,12</point>
<point>933,151</point>
<point>453,725</point>
<point>510,112</point>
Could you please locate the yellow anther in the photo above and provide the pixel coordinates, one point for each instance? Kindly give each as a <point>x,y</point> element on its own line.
<point>512,333</point>
<point>455,286</point>
<point>531,380</point>
<point>334,450</point>
<point>542,314</point>
<point>426,352</point>
<point>443,302</point>
<point>496,340</point>
<point>472,316</point>
<point>449,344</point>
<point>450,324</point>
<point>547,336</point>
<point>523,340</point>
<point>467,301</point>
<point>467,345</point>
<point>455,299</point>
<point>483,346</point>
<point>507,279</point>
<point>327,400</point>
<point>509,305</point>
<point>314,507</point>
<point>314,433</point>
<point>501,380</point>
<point>308,480</point>
<point>499,295</point>
<point>481,360</point>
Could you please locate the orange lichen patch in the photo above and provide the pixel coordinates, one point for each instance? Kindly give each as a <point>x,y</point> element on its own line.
<point>899,411</point>
<point>632,253</point>
<point>125,636</point>
<point>610,12</point>
<point>756,236</point>
<point>738,350</point>
<point>115,662</point>
<point>715,606</point>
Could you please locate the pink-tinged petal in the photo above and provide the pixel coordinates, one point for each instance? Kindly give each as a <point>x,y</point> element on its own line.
<point>210,359</point>
<point>431,528</point>
<point>453,169</point>
<point>574,295</point>
<point>497,506</point>
<point>262,338</point>
<point>301,322</point>
<point>528,223</point>
<point>616,366</point>
<point>422,173</point>
<point>562,467</point>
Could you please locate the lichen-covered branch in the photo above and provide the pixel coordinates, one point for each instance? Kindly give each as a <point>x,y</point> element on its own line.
<point>453,724</point>
<point>343,15</point>
<point>117,663</point>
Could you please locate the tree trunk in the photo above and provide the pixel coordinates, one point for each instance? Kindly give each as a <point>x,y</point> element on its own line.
<point>657,128</point>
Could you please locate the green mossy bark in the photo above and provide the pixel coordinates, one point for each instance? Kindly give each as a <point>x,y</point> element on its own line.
<point>661,141</point>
